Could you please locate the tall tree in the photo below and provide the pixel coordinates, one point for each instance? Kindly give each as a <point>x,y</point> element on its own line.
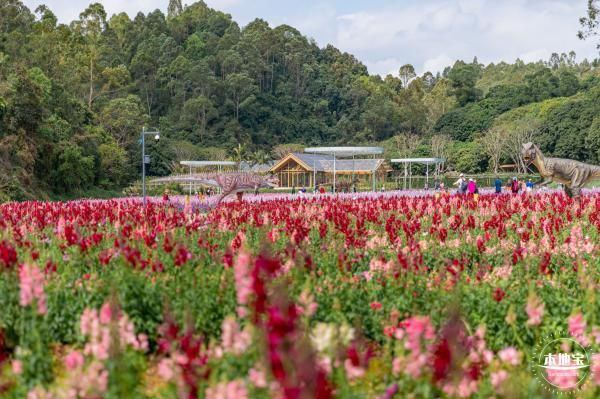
<point>590,24</point>
<point>406,74</point>
<point>197,113</point>
<point>174,9</point>
<point>241,90</point>
<point>463,78</point>
<point>124,118</point>
<point>440,144</point>
<point>91,24</point>
<point>495,143</point>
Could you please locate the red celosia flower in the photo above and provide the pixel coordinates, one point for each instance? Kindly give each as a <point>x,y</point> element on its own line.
<point>441,360</point>
<point>375,305</point>
<point>8,255</point>
<point>50,267</point>
<point>228,259</point>
<point>182,256</point>
<point>499,294</point>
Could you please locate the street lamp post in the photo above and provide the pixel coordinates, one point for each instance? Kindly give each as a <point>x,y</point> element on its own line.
<point>145,159</point>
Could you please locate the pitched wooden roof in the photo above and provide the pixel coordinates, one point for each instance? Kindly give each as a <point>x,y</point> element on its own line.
<point>324,163</point>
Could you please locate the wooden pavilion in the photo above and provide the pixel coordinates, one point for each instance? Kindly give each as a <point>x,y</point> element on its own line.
<point>310,170</point>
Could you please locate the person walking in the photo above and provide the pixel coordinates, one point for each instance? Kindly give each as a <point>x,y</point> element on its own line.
<point>471,187</point>
<point>498,185</point>
<point>529,186</point>
<point>515,186</point>
<point>461,184</point>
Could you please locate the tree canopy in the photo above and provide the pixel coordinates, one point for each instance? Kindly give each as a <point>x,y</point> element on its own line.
<point>74,97</point>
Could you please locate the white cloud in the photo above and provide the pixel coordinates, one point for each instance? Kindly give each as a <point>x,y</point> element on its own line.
<point>433,34</point>
<point>384,67</point>
<point>437,64</point>
<point>224,5</point>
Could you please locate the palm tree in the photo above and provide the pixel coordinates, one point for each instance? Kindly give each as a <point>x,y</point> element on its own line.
<point>239,153</point>
<point>259,157</point>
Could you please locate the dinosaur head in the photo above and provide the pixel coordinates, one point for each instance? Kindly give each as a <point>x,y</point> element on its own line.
<point>529,152</point>
<point>272,181</point>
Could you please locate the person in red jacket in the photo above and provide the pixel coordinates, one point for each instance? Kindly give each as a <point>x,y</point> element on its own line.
<point>515,186</point>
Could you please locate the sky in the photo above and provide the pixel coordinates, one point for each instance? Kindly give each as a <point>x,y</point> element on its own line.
<point>385,34</point>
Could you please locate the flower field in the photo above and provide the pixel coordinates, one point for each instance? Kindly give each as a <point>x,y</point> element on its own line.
<point>380,296</point>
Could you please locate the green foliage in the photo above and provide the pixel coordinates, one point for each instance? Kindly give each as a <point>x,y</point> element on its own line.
<point>113,161</point>
<point>201,79</point>
<point>569,131</point>
<point>123,118</point>
<point>463,78</point>
<point>71,169</point>
<point>592,140</point>
<point>468,157</point>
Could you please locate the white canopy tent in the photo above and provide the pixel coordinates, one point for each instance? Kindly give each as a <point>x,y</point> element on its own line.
<point>344,152</point>
<point>423,161</point>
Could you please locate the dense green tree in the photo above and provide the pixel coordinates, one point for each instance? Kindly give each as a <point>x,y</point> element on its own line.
<point>113,163</point>
<point>91,24</point>
<point>592,140</point>
<point>209,84</point>
<point>124,118</point>
<point>438,101</point>
<point>463,78</point>
<point>467,157</point>
<point>197,113</point>
<point>406,74</point>
<point>71,170</point>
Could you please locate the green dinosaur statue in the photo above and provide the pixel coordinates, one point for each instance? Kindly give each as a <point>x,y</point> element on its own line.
<point>572,174</point>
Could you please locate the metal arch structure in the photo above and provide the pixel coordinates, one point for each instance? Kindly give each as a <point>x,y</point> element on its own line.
<point>200,164</point>
<point>408,167</point>
<point>345,152</point>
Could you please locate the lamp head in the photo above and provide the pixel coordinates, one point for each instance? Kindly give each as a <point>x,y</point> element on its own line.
<point>157,137</point>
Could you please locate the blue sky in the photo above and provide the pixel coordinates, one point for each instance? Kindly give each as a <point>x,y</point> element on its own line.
<point>384,34</point>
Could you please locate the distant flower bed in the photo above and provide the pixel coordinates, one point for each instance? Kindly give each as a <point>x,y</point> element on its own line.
<point>367,295</point>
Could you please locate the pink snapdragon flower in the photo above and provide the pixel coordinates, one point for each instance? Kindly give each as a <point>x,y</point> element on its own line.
<point>228,390</point>
<point>595,368</point>
<point>243,281</point>
<point>510,356</point>
<point>498,378</point>
<point>234,340</point>
<point>17,367</point>
<point>31,284</point>
<point>535,311</point>
<point>564,380</point>
<point>577,325</point>
<point>74,360</point>
<point>257,377</point>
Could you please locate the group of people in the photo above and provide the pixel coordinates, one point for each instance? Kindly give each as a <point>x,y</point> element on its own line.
<point>466,186</point>
<point>514,185</point>
<point>301,191</point>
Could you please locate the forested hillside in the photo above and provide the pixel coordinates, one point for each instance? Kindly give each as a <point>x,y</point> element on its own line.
<point>74,98</point>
